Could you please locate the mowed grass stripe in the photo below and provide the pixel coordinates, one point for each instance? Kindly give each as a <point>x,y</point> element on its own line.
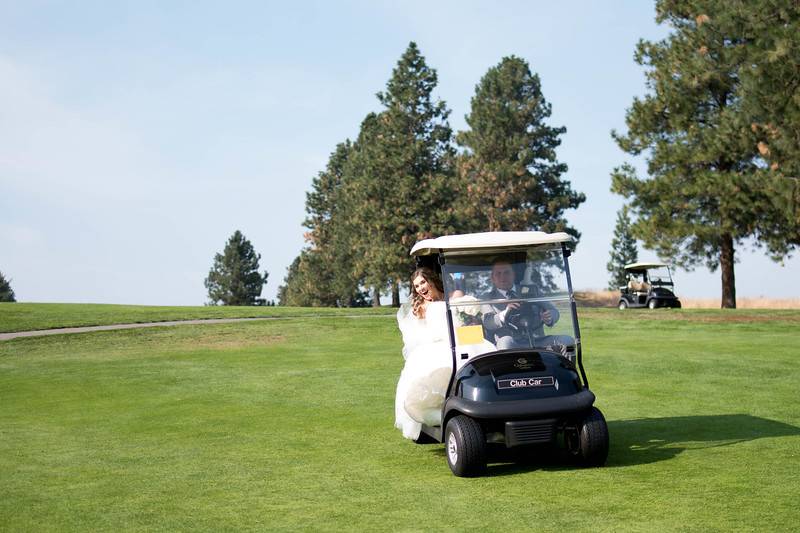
<point>288,425</point>
<point>39,316</point>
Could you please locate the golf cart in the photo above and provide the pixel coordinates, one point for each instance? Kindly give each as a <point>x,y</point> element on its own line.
<point>649,285</point>
<point>534,394</point>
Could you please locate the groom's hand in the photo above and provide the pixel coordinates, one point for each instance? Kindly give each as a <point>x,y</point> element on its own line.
<point>509,307</point>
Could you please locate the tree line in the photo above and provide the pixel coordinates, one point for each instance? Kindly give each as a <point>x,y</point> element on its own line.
<point>408,176</point>
<point>719,128</point>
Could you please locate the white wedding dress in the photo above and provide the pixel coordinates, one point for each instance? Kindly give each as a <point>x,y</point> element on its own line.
<point>426,374</point>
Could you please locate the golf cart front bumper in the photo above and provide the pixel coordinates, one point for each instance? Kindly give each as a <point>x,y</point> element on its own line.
<point>555,407</point>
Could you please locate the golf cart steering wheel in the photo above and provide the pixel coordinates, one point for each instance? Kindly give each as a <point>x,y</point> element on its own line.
<point>524,317</point>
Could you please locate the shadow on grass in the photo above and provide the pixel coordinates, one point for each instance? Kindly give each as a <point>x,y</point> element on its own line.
<point>648,440</point>
<point>643,441</point>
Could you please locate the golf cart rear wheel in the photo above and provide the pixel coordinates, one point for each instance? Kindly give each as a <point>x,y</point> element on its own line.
<point>592,439</point>
<point>465,446</point>
<point>652,304</point>
<point>623,305</point>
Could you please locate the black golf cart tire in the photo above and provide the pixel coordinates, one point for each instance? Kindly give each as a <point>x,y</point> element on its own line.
<point>593,439</point>
<point>470,441</point>
<point>622,305</point>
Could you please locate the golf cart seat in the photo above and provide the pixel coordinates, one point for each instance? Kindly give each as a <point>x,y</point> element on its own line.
<point>638,286</point>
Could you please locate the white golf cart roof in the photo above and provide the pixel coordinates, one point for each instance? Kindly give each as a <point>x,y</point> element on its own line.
<point>487,240</point>
<point>644,266</point>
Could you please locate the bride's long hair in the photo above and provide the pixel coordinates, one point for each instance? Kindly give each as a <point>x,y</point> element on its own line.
<point>417,301</point>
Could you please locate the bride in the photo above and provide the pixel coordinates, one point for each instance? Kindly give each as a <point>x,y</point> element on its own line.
<point>426,350</point>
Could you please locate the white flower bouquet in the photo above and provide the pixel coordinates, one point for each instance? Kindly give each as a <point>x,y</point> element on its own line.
<point>467,311</point>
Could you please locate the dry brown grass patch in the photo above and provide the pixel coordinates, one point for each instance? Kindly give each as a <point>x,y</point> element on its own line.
<point>611,298</point>
<point>743,303</point>
<point>597,298</point>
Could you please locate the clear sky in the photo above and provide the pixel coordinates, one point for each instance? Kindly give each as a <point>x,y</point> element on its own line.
<point>136,137</point>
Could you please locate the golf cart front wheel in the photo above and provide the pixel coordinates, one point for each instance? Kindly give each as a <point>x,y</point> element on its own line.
<point>592,439</point>
<point>465,444</point>
<point>623,305</point>
<point>652,304</point>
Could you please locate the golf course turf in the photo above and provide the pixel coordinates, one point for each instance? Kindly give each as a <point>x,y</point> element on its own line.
<point>288,424</point>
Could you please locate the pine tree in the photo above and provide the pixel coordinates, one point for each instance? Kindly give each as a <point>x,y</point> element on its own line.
<point>331,255</point>
<point>323,274</point>
<point>307,284</point>
<point>6,292</point>
<point>301,286</point>
<point>623,250</point>
<point>401,186</point>
<point>235,279</point>
<point>362,196</point>
<point>511,179</point>
<point>707,190</point>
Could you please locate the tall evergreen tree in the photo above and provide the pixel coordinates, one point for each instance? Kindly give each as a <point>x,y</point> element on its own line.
<point>401,173</point>
<point>511,177</point>
<point>362,198</point>
<point>623,250</point>
<point>6,292</point>
<point>331,243</point>
<point>308,283</point>
<point>235,279</point>
<point>706,192</point>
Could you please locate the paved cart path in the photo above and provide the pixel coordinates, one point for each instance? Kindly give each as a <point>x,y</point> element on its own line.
<point>84,329</point>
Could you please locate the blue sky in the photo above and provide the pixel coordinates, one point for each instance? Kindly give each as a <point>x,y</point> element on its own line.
<point>136,137</point>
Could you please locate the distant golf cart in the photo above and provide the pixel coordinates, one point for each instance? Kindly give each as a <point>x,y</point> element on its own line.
<point>533,396</point>
<point>649,285</point>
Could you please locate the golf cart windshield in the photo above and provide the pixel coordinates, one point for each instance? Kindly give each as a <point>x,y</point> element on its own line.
<point>659,276</point>
<point>651,274</point>
<point>526,289</point>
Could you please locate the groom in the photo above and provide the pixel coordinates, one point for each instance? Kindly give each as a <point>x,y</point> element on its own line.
<point>496,316</point>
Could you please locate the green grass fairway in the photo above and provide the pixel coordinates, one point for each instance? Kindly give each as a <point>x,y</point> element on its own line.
<point>289,425</point>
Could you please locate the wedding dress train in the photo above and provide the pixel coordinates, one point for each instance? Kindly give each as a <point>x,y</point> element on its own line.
<point>423,382</point>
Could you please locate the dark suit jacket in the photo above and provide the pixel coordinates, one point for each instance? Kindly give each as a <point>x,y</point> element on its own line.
<point>493,327</point>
